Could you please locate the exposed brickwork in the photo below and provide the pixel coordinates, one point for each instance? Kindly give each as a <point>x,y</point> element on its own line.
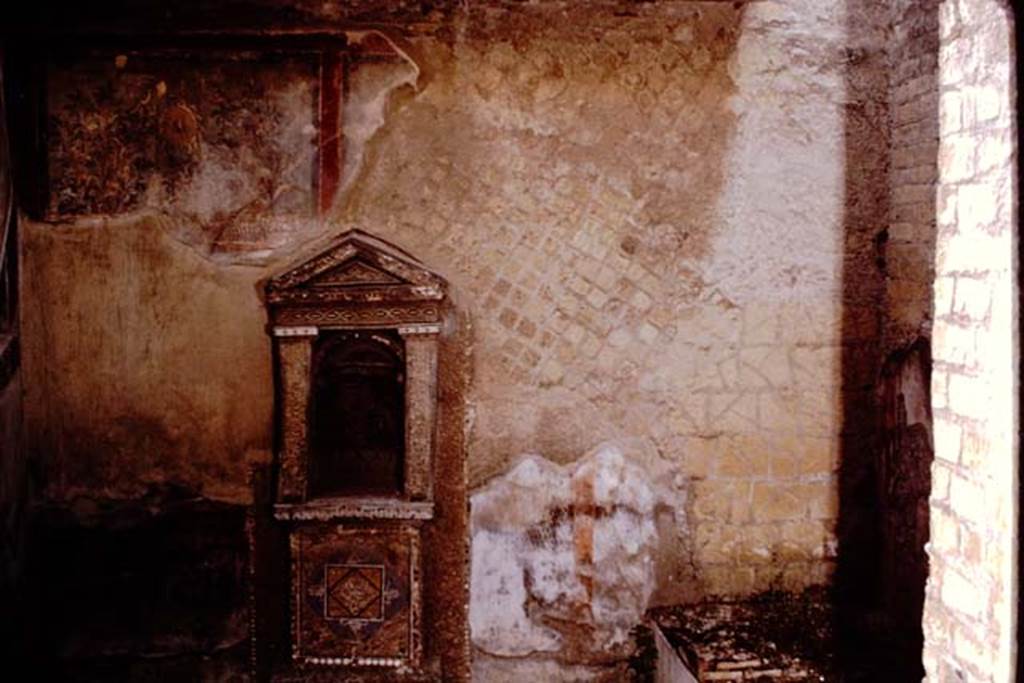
<point>968,610</point>
<point>913,105</point>
<point>902,448</point>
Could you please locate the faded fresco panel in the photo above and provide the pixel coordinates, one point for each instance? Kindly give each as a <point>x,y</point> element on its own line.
<point>226,144</point>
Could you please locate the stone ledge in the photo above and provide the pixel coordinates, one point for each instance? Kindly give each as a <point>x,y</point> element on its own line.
<point>325,509</point>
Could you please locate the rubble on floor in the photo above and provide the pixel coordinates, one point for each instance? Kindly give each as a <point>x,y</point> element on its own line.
<point>775,637</point>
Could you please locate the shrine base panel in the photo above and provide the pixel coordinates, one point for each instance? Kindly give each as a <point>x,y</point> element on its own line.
<point>355,596</point>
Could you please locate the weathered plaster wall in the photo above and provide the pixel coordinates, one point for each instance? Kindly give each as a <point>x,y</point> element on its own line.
<point>223,144</point>
<point>866,139</point>
<point>147,363</point>
<point>901,451</point>
<point>563,559</point>
<point>640,206</point>
<point>970,599</point>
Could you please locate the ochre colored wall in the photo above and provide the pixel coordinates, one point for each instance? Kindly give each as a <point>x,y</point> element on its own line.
<point>641,209</point>
<point>644,216</point>
<point>148,363</point>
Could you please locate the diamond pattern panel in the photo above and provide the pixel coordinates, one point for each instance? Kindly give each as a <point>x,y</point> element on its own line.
<point>354,592</point>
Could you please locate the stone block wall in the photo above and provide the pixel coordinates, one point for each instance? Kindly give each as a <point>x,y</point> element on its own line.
<point>643,216</point>
<point>909,245</point>
<point>902,448</point>
<point>969,609</point>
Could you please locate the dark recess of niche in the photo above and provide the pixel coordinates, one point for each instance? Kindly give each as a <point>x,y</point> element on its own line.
<point>357,414</point>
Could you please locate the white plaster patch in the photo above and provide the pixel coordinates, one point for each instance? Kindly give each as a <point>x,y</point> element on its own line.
<point>571,546</point>
<point>498,611</point>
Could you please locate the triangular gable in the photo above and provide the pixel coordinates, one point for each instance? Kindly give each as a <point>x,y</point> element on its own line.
<point>357,266</point>
<point>354,273</point>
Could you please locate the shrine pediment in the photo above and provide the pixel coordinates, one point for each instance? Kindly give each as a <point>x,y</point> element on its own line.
<point>358,267</point>
<point>355,273</point>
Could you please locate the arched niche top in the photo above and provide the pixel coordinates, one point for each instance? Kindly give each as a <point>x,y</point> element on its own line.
<point>359,288</point>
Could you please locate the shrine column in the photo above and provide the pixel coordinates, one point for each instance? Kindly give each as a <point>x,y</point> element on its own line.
<point>295,351</point>
<point>420,398</point>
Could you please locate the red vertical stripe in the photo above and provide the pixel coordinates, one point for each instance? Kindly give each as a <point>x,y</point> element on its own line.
<point>330,152</point>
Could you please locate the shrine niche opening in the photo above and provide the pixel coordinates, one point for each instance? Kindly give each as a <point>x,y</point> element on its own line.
<point>357,414</point>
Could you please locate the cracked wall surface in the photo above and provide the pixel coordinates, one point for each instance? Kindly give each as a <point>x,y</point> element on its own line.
<point>645,256</point>
<point>639,206</point>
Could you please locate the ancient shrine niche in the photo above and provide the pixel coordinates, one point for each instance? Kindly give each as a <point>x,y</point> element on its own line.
<point>361,286</point>
<point>356,336</point>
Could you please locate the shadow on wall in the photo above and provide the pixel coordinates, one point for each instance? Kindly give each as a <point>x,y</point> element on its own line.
<point>891,140</point>
<point>16,489</point>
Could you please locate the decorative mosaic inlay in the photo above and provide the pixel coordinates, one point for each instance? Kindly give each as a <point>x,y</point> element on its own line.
<point>354,592</point>
<point>355,595</point>
<point>390,315</point>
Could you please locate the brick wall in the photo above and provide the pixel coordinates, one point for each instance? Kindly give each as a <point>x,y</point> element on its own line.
<point>969,602</point>
<point>913,105</point>
<point>903,451</point>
